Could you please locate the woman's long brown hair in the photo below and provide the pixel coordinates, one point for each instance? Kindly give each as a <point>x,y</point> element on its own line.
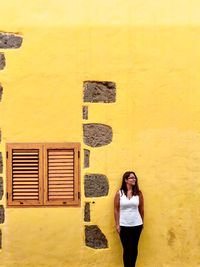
<point>135,188</point>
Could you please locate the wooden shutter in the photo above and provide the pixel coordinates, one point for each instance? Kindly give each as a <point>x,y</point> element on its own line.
<point>24,174</point>
<point>61,174</point>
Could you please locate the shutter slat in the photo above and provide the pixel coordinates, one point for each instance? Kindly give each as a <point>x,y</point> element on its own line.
<point>24,186</point>
<point>28,191</point>
<point>61,168</point>
<point>61,181</point>
<point>62,160</point>
<point>25,172</point>
<point>53,193</point>
<point>17,153</point>
<point>26,198</point>
<point>64,156</point>
<point>18,179</point>
<point>61,185</point>
<point>60,152</point>
<point>30,164</point>
<point>25,183</point>
<point>54,172</point>
<point>24,160</point>
<point>24,193</point>
<point>60,191</point>
<point>25,168</point>
<point>60,164</point>
<point>61,174</point>
<point>60,177</point>
<point>60,157</point>
<point>63,198</point>
<point>26,175</point>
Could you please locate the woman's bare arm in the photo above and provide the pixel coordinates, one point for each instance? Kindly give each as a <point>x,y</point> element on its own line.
<point>116,211</point>
<point>141,206</point>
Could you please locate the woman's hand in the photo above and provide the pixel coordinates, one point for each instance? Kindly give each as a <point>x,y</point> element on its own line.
<point>118,228</point>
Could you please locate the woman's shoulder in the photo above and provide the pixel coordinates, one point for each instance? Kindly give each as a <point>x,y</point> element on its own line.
<point>140,194</point>
<point>119,192</point>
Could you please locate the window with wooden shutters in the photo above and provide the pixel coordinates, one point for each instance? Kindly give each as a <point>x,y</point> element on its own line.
<point>43,174</point>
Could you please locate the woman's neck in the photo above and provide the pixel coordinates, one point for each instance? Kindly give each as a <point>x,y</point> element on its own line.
<point>129,187</point>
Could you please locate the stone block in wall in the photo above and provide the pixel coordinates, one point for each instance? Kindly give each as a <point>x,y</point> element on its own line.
<point>85,112</point>
<point>94,237</point>
<point>2,61</point>
<point>9,40</point>
<point>1,163</point>
<point>87,212</point>
<point>96,185</point>
<point>1,92</point>
<point>86,158</point>
<point>2,214</point>
<point>1,188</point>
<point>96,92</point>
<point>96,134</point>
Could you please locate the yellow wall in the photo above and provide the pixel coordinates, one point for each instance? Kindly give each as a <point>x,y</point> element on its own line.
<point>151,51</point>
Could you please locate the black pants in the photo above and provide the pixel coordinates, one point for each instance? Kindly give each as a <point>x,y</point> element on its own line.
<point>130,237</point>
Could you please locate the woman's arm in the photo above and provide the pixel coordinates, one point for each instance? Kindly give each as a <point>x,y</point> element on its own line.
<point>141,206</point>
<point>116,211</point>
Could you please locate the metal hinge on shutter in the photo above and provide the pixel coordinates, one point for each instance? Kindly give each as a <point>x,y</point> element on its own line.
<point>79,195</point>
<point>6,154</point>
<point>78,154</point>
<point>7,195</point>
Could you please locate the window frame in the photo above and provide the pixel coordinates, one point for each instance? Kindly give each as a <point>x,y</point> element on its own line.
<point>43,178</point>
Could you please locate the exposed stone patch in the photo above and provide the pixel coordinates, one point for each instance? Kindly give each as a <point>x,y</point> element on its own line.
<point>96,91</point>
<point>86,158</point>
<point>2,214</point>
<point>96,134</point>
<point>1,92</point>
<point>96,185</point>
<point>0,239</point>
<point>1,188</point>
<point>8,40</point>
<point>2,61</point>
<point>85,112</point>
<point>94,237</point>
<point>1,163</point>
<point>87,212</point>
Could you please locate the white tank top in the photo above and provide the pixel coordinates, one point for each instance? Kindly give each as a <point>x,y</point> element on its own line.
<point>129,214</point>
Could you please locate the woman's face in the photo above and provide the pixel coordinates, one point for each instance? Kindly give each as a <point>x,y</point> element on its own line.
<point>131,180</point>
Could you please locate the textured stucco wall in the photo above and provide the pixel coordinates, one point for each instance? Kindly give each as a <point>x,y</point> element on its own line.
<point>150,50</point>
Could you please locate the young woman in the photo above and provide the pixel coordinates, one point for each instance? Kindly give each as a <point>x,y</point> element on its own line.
<point>129,215</point>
